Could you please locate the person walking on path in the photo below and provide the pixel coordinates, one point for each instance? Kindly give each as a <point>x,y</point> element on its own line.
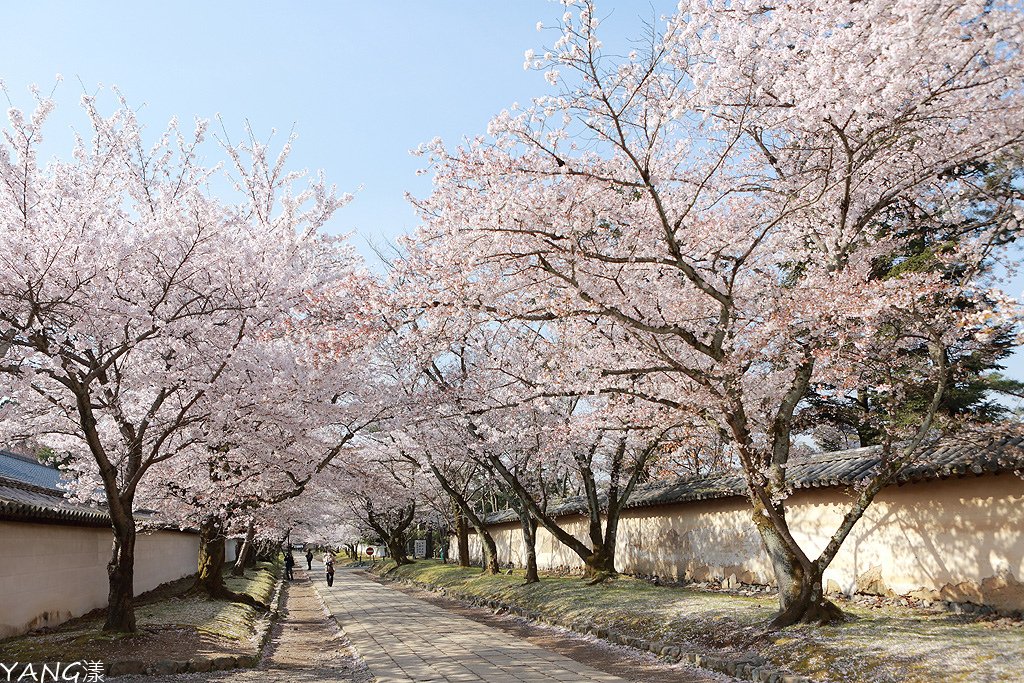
<point>329,565</point>
<point>289,564</point>
<point>309,559</point>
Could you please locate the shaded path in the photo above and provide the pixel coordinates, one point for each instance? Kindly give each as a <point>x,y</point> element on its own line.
<point>304,647</point>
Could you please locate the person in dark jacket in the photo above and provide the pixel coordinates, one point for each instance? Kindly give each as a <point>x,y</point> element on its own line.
<point>289,564</point>
<point>309,559</point>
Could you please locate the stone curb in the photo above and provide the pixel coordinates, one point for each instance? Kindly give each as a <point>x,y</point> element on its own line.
<point>749,667</point>
<point>206,664</point>
<point>266,624</point>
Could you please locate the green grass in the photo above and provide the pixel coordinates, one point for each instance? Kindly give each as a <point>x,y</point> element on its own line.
<point>231,620</point>
<point>876,645</point>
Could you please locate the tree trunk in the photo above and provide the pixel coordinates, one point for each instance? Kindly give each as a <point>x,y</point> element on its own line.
<point>210,579</point>
<point>468,514</point>
<point>253,558</point>
<point>266,551</point>
<point>247,550</point>
<point>600,563</point>
<point>490,551</point>
<point>801,597</point>
<point>529,525</point>
<point>462,534</point>
<point>397,548</point>
<point>121,577</point>
<point>391,525</point>
<point>211,558</point>
<point>599,557</point>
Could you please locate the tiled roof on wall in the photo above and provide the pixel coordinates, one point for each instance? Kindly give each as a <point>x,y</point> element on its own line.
<point>819,470</point>
<point>28,470</point>
<point>30,492</point>
<point>20,501</point>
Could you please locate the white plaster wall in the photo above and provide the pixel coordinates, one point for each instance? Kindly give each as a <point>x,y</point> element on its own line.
<point>959,539</point>
<point>51,573</point>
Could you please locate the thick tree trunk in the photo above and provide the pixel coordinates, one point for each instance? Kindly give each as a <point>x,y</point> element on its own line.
<point>211,558</point>
<point>397,548</point>
<point>210,579</point>
<point>462,534</point>
<point>490,551</point>
<point>253,558</point>
<point>801,596</point>
<point>599,564</point>
<point>246,552</point>
<point>529,525</point>
<point>121,578</point>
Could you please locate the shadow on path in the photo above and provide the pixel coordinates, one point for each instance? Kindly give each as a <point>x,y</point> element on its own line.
<point>305,646</point>
<point>402,637</point>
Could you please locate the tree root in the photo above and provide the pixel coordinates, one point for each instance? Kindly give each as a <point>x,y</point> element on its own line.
<point>820,613</point>
<point>601,577</point>
<point>222,592</point>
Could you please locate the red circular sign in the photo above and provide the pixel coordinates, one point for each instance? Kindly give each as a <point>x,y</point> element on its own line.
<point>369,551</point>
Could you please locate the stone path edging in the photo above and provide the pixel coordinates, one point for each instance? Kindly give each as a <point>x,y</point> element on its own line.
<point>205,664</point>
<point>751,667</point>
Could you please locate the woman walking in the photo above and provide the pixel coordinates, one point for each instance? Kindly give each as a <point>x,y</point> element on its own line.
<point>329,564</point>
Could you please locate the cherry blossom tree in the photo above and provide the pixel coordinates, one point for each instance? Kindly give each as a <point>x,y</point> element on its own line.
<point>382,492</point>
<point>271,449</point>
<point>605,455</point>
<point>128,296</point>
<point>699,223</point>
<point>477,376</point>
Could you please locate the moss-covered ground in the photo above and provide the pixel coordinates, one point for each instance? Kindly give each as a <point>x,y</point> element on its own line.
<point>173,623</point>
<point>878,645</point>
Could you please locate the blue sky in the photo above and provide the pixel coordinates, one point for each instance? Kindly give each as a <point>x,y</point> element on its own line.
<point>361,82</point>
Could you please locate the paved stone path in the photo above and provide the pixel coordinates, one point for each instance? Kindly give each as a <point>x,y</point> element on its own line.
<point>401,639</point>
